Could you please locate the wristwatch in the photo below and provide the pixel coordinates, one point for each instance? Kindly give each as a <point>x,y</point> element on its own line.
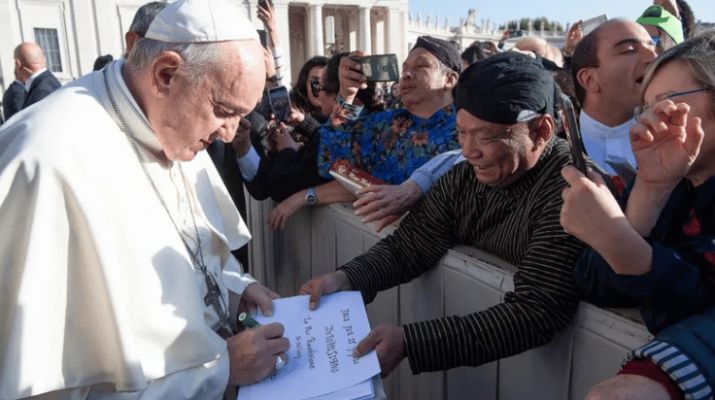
<point>310,197</point>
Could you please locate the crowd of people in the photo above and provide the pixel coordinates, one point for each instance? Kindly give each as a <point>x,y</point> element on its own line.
<point>134,236</point>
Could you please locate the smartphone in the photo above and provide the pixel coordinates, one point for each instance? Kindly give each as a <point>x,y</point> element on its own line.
<point>517,33</point>
<point>263,37</point>
<point>262,4</point>
<point>573,133</point>
<point>380,68</point>
<point>280,103</point>
<point>589,25</point>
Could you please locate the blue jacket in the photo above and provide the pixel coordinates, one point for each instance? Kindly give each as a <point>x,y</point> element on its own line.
<point>682,281</point>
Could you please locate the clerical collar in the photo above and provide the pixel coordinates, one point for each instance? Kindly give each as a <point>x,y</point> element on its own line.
<point>594,129</point>
<point>137,123</point>
<point>31,79</point>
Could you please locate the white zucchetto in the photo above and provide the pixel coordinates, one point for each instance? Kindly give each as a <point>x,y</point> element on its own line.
<point>201,21</point>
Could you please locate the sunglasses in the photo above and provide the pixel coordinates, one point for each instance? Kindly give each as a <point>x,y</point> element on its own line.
<point>315,88</point>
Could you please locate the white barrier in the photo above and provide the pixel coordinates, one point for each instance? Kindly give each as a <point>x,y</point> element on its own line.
<point>317,240</point>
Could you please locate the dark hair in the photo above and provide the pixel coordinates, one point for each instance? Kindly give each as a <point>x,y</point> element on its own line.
<point>687,18</point>
<point>299,93</point>
<point>585,56</point>
<point>473,54</point>
<point>144,17</point>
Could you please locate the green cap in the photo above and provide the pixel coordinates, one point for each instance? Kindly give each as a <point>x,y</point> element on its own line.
<point>657,16</point>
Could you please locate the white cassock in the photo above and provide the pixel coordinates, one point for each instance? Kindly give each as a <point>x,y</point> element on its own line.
<point>98,291</point>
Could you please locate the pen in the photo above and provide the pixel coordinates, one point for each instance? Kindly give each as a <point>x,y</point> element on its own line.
<point>248,321</point>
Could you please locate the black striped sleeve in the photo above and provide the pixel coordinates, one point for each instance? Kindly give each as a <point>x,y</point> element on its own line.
<point>543,302</point>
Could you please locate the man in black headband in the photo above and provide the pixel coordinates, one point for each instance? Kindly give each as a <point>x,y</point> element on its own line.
<point>506,200</point>
<point>392,144</point>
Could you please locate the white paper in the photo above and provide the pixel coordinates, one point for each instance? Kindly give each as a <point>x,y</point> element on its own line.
<point>320,357</point>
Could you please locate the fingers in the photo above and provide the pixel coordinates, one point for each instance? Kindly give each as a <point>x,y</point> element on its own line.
<point>277,345</point>
<point>571,175</point>
<point>274,330</point>
<point>265,302</point>
<point>367,344</point>
<point>386,221</point>
<point>695,135</point>
<point>316,291</point>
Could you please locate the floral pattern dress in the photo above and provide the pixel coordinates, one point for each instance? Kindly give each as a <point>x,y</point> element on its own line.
<point>388,145</point>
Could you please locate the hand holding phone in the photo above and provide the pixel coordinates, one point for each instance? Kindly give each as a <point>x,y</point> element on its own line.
<point>351,76</point>
<point>379,68</point>
<point>280,103</point>
<point>574,135</point>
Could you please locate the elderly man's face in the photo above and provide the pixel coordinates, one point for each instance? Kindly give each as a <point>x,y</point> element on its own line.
<point>196,114</point>
<point>500,154</point>
<point>421,77</point>
<point>624,51</point>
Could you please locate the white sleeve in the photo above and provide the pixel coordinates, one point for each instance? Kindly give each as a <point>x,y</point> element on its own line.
<point>206,381</point>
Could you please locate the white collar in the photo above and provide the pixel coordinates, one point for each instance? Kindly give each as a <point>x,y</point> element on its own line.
<point>32,79</point>
<point>138,125</point>
<point>594,129</point>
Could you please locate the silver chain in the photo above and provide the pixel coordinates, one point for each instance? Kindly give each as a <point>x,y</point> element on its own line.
<point>212,287</point>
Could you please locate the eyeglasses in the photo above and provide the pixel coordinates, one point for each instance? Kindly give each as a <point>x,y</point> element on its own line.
<point>656,40</point>
<point>638,111</point>
<point>315,88</point>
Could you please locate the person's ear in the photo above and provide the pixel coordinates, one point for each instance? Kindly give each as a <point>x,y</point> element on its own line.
<point>164,71</point>
<point>588,79</point>
<point>451,80</point>
<point>542,130</point>
<point>129,38</point>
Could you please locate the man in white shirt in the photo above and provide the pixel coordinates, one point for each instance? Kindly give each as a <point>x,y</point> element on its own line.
<point>608,67</point>
<point>115,266</point>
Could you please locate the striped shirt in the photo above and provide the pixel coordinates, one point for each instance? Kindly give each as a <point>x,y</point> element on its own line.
<point>518,223</point>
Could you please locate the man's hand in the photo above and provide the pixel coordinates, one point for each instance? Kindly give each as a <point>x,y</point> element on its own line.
<point>505,36</point>
<point>283,139</point>
<point>253,353</point>
<point>296,117</point>
<point>242,141</point>
<point>278,217</point>
<point>668,5</point>
<point>389,344</point>
<point>665,144</point>
<point>325,284</point>
<point>573,38</point>
<point>351,79</point>
<point>386,203</point>
<point>257,296</point>
<point>590,212</point>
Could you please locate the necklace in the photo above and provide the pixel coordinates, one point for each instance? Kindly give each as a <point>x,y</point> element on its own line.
<point>213,296</point>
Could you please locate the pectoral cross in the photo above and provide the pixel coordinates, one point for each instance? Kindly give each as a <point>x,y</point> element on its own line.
<point>213,297</point>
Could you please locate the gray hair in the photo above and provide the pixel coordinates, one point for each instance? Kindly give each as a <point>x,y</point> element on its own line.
<point>144,17</point>
<point>200,59</point>
<point>698,53</point>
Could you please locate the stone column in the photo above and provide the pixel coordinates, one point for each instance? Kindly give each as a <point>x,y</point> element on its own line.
<point>365,37</point>
<point>317,48</point>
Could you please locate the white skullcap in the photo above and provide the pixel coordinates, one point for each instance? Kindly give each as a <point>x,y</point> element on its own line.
<point>200,21</point>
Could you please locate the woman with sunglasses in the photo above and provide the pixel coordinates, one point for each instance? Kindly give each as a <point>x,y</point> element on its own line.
<point>658,252</point>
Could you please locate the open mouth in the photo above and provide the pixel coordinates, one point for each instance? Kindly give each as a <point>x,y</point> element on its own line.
<point>483,168</point>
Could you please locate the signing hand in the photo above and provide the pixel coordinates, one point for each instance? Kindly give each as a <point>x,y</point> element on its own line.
<point>389,344</point>
<point>386,203</point>
<point>253,353</point>
<point>325,284</point>
<point>351,79</point>
<point>665,143</point>
<point>257,296</point>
